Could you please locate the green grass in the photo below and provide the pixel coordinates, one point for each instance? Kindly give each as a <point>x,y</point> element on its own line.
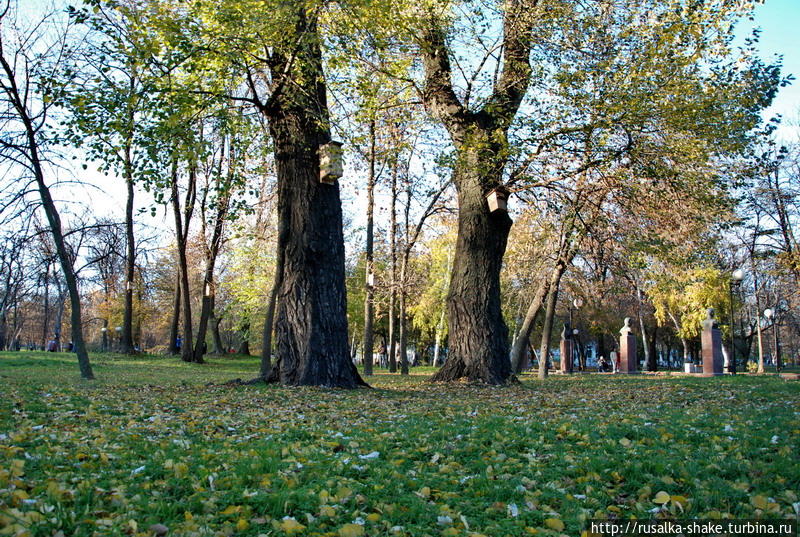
<point>155,440</point>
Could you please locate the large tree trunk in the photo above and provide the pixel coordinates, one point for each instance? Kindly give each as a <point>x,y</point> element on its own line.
<point>311,317</point>
<point>219,347</point>
<point>479,349</point>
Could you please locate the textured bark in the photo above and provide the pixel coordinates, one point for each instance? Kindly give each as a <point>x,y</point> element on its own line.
<point>174,324</point>
<point>521,343</point>
<point>651,362</point>
<point>393,275</point>
<point>181,233</point>
<point>46,313</point>
<point>311,317</point>
<point>547,331</point>
<point>369,301</point>
<point>130,259</point>
<point>244,334</point>
<point>479,349</point>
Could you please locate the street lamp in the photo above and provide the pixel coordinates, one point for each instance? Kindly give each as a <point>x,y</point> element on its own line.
<point>772,315</point>
<point>736,281</point>
<point>104,330</point>
<point>119,336</point>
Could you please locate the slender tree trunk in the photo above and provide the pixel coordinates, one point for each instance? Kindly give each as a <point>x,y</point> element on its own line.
<point>130,258</point>
<point>440,325</point>
<point>761,368</point>
<point>403,320</point>
<point>244,335</point>
<point>45,323</point>
<point>521,343</point>
<point>652,364</point>
<point>53,218</point>
<point>214,321</point>
<point>643,330</point>
<point>269,319</point>
<point>687,350</point>
<point>369,301</point>
<point>393,278</point>
<point>174,324</point>
<point>547,330</point>
<point>181,233</point>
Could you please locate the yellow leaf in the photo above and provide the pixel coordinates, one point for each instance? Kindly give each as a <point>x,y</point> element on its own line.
<point>242,525</point>
<point>231,509</point>
<point>759,502</point>
<point>327,510</point>
<point>373,517</point>
<point>351,530</point>
<point>450,532</point>
<point>425,492</point>
<point>554,524</point>
<point>661,498</point>
<point>181,469</point>
<point>681,500</point>
<point>291,526</point>
<point>17,466</point>
<point>625,442</point>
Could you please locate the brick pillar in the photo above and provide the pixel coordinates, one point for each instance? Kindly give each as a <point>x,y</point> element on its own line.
<point>712,346</point>
<point>566,350</point>
<point>627,349</point>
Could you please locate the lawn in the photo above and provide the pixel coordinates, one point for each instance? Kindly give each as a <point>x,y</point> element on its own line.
<point>158,442</point>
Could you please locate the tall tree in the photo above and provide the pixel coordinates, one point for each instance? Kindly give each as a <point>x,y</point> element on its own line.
<point>30,60</point>
<point>479,349</point>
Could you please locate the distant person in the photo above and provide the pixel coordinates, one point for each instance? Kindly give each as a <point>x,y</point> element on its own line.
<point>70,346</point>
<point>178,343</point>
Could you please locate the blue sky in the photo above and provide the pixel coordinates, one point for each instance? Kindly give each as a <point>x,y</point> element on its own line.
<point>779,21</point>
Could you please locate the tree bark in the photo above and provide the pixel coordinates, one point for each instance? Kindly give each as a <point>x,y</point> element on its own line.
<point>393,275</point>
<point>479,349</point>
<point>244,334</point>
<point>369,301</point>
<point>219,347</point>
<point>521,343</point>
<point>181,235</point>
<point>174,325</point>
<point>547,329</point>
<point>311,317</point>
<point>130,259</point>
<point>402,317</point>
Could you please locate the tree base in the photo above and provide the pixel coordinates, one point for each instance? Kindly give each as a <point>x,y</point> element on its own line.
<point>478,373</point>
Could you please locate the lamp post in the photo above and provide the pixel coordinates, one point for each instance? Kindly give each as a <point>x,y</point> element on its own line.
<point>118,330</point>
<point>104,331</point>
<point>772,314</point>
<point>736,281</point>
